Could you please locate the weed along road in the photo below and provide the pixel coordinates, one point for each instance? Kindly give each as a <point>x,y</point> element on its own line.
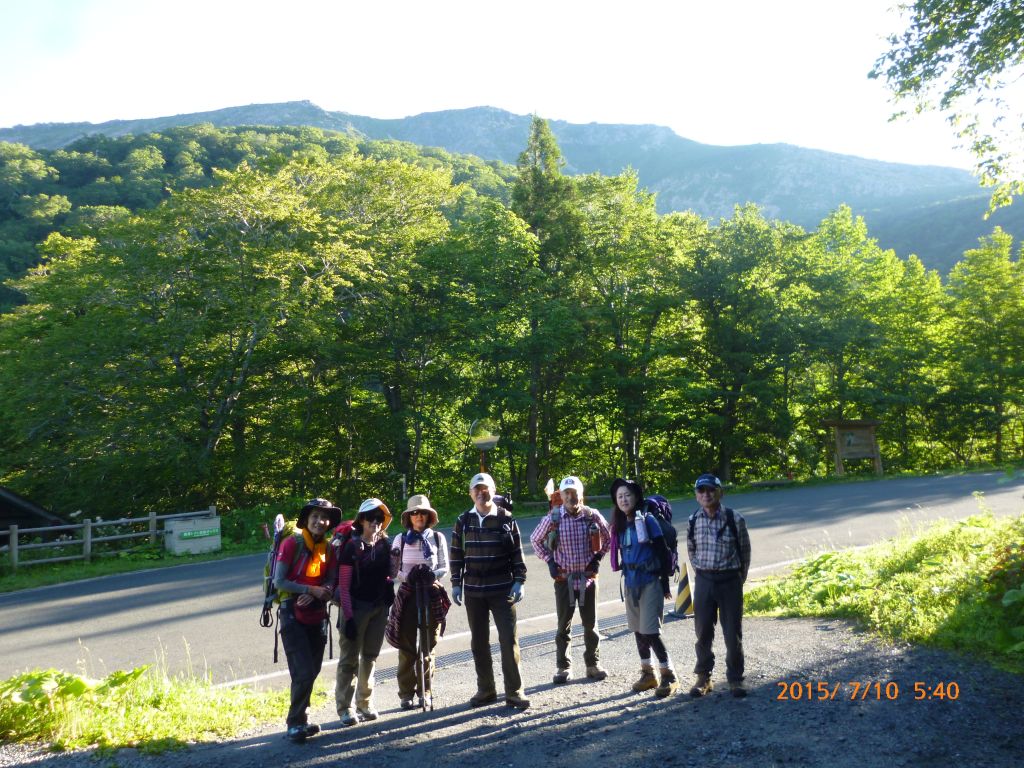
<point>204,617</point>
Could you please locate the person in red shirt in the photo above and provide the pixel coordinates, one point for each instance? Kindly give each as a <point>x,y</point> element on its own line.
<point>304,575</point>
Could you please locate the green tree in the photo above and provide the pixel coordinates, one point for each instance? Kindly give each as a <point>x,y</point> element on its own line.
<point>154,343</point>
<point>909,310</point>
<point>741,340</point>
<point>984,356</point>
<point>631,284</point>
<point>959,57</point>
<point>397,329</point>
<point>544,198</point>
<point>496,257</point>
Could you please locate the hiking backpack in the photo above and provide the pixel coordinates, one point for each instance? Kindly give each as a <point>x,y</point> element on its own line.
<point>342,536</point>
<point>730,523</point>
<point>658,506</point>
<point>282,530</point>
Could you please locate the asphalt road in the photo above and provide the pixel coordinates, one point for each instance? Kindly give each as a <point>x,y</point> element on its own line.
<point>204,617</point>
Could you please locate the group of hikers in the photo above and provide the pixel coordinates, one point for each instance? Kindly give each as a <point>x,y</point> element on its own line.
<point>357,568</point>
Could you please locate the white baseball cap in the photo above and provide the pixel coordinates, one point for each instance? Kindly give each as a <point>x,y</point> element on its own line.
<point>482,478</point>
<point>572,482</point>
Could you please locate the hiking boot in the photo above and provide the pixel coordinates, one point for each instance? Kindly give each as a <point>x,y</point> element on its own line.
<point>561,676</point>
<point>349,718</point>
<point>367,714</point>
<point>669,684</point>
<point>296,734</point>
<point>596,672</point>
<point>647,680</point>
<point>480,698</point>
<point>737,689</point>
<point>517,702</point>
<point>311,729</point>
<point>702,686</point>
<point>406,703</point>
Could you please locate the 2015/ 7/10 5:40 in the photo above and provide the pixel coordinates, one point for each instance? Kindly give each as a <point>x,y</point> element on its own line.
<point>825,690</point>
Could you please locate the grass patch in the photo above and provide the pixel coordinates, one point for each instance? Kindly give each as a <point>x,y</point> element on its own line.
<point>143,708</point>
<point>956,585</point>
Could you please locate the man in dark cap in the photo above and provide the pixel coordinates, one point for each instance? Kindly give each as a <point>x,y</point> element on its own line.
<point>719,549</point>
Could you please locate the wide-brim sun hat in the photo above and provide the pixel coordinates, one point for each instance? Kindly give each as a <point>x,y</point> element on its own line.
<point>333,512</point>
<point>633,485</point>
<point>370,505</point>
<point>416,503</point>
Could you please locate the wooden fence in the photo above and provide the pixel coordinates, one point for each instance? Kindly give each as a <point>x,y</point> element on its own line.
<point>87,539</point>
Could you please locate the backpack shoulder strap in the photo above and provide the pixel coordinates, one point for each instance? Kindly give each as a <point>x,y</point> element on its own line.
<point>730,520</point>
<point>298,555</point>
<point>690,535</point>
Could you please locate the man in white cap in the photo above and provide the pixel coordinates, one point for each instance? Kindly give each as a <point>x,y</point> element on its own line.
<point>488,571</point>
<point>583,539</point>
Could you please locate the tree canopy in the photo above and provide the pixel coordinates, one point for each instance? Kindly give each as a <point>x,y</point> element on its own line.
<point>323,321</point>
<point>964,58</point>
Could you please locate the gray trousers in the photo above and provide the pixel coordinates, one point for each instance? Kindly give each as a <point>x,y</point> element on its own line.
<point>358,658</point>
<point>719,596</point>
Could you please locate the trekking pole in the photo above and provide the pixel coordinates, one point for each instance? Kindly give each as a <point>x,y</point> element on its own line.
<point>421,654</point>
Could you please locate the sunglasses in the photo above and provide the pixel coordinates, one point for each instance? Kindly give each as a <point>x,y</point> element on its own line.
<point>374,517</point>
<point>707,489</point>
<point>419,512</point>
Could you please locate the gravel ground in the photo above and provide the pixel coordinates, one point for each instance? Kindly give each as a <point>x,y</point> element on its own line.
<point>589,724</point>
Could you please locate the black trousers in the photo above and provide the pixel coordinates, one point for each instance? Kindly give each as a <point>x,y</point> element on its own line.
<point>719,596</point>
<point>304,647</point>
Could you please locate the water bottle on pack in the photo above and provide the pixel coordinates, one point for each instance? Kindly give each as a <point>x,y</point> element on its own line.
<point>551,540</point>
<point>595,537</point>
<point>640,522</point>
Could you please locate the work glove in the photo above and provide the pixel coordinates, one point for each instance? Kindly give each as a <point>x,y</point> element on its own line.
<point>457,594</point>
<point>553,568</point>
<point>518,590</point>
<point>350,629</point>
<point>594,564</point>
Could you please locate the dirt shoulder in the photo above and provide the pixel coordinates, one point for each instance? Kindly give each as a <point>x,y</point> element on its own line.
<point>585,723</point>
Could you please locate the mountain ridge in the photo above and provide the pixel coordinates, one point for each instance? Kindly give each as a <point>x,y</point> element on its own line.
<point>789,182</point>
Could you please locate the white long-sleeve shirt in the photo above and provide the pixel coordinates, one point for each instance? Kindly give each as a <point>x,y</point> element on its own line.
<point>409,556</point>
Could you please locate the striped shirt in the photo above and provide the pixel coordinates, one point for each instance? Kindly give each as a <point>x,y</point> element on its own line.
<point>714,548</point>
<point>486,554</point>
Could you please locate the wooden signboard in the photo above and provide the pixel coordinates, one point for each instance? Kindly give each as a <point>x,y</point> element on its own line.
<point>855,439</point>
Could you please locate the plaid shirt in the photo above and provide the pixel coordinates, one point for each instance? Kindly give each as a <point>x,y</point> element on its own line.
<point>573,552</point>
<point>714,548</point>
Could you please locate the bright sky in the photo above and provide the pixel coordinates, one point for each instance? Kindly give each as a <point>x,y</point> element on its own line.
<point>716,71</point>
